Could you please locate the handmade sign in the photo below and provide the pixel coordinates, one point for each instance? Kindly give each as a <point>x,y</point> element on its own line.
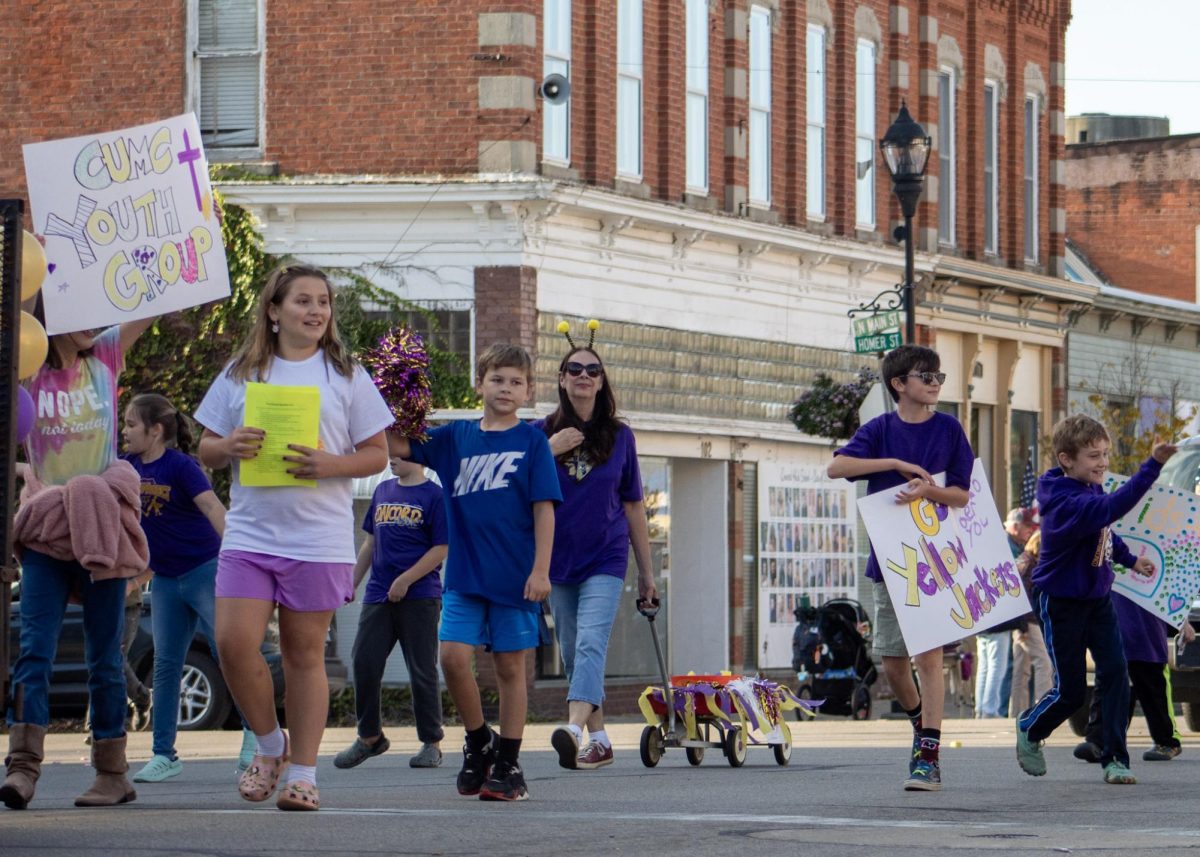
<point>1162,527</point>
<point>949,572</point>
<point>129,224</point>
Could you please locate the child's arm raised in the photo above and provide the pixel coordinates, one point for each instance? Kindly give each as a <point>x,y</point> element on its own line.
<point>537,587</point>
<point>1093,511</point>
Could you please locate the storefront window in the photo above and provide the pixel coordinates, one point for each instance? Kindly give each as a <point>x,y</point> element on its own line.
<point>1022,455</point>
<point>950,408</point>
<point>981,438</point>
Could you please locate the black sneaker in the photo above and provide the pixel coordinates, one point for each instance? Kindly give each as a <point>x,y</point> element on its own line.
<point>476,766</point>
<point>507,782</point>
<point>1088,752</point>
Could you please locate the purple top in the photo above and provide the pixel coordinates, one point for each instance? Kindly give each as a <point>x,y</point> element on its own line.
<point>591,532</point>
<point>406,521</point>
<point>179,534</point>
<point>1143,633</point>
<point>938,444</point>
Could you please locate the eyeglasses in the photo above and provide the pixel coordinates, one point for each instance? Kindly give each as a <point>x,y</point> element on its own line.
<point>930,378</point>
<point>594,370</point>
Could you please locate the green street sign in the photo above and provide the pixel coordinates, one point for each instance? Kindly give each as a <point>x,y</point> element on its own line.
<point>877,342</point>
<point>889,320</point>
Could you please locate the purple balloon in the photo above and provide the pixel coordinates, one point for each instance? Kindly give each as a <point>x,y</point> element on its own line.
<point>24,414</point>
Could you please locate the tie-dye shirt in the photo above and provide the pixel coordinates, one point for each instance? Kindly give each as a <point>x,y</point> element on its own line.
<point>75,430</point>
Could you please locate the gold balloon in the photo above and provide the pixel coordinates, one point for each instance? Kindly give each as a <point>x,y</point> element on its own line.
<point>33,266</point>
<point>34,346</point>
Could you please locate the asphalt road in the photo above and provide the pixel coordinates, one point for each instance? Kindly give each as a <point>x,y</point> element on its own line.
<point>840,795</point>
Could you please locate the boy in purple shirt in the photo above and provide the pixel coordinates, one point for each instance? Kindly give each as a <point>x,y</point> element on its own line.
<point>1073,580</point>
<point>902,450</point>
<point>404,549</point>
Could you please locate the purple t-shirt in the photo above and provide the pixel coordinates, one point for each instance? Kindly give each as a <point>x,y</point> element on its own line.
<point>591,533</point>
<point>179,534</point>
<point>938,444</point>
<point>1143,634</point>
<point>406,521</point>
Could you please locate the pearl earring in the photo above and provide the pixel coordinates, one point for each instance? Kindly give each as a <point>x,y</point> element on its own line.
<point>274,327</point>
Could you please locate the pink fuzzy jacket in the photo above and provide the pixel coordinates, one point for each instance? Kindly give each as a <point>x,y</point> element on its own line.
<point>95,520</point>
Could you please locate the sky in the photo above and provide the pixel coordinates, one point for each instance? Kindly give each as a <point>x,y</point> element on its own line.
<point>1136,58</point>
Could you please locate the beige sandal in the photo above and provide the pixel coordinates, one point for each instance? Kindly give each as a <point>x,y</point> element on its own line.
<point>258,782</point>
<point>298,795</point>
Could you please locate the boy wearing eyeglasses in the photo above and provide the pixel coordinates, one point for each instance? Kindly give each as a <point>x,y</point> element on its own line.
<point>901,450</point>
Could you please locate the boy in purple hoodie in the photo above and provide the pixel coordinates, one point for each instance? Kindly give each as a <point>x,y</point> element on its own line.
<point>1073,581</point>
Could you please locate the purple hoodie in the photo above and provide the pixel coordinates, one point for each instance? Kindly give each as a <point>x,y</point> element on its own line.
<point>1078,547</point>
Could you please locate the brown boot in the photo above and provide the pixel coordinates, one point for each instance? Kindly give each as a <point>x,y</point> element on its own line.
<point>24,764</point>
<point>111,786</point>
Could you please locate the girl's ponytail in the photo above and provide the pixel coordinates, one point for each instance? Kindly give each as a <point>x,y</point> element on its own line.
<point>183,434</point>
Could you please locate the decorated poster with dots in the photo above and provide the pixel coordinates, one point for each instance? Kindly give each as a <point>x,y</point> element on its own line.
<point>1163,527</point>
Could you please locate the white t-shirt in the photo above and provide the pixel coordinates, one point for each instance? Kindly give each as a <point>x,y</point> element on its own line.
<point>309,524</point>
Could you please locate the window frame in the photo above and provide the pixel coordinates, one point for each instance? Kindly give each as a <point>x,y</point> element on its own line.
<point>550,61</point>
<point>1030,184</point>
<point>864,188</point>
<point>815,177</point>
<point>991,168</point>
<point>696,95</point>
<point>760,14</point>
<point>193,63</point>
<point>947,157</point>
<point>631,73</point>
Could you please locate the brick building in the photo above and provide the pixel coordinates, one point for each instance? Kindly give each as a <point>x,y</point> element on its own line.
<point>710,191</point>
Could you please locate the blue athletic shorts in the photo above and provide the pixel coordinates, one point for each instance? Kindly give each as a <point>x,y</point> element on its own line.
<point>479,622</point>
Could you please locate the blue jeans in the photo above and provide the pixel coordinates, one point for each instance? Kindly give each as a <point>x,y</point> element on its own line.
<point>583,619</point>
<point>993,650</point>
<point>46,584</point>
<point>179,605</point>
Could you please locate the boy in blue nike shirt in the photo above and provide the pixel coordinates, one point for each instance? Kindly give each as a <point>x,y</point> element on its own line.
<point>501,487</point>
<point>1073,582</point>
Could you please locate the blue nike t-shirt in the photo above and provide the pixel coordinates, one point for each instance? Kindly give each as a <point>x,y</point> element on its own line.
<point>491,480</point>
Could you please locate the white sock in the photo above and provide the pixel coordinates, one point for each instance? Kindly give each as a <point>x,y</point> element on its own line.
<point>600,737</point>
<point>576,731</point>
<point>271,744</point>
<point>303,774</point>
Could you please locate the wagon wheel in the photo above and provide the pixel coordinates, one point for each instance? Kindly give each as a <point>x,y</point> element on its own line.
<point>783,751</point>
<point>695,755</point>
<point>735,747</point>
<point>652,746</point>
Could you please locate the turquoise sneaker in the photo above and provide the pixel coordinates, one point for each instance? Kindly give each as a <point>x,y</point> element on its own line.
<point>926,776</point>
<point>158,769</point>
<point>249,747</point>
<point>1029,754</point>
<point>1116,774</point>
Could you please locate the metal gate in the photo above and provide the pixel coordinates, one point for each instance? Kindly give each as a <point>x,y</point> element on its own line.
<point>11,217</point>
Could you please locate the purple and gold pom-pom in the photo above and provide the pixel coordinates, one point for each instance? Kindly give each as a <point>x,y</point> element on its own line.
<point>399,366</point>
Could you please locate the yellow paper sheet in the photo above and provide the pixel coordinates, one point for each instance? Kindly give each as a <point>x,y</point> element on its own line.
<point>287,415</point>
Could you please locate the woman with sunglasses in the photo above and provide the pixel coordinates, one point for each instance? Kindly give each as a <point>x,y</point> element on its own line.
<point>601,515</point>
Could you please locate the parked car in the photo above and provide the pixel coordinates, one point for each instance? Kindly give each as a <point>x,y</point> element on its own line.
<point>1182,472</point>
<point>204,698</point>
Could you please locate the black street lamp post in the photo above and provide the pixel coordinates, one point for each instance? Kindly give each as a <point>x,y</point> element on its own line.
<point>905,149</point>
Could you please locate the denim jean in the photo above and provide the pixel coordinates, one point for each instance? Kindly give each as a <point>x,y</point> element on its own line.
<point>583,619</point>
<point>993,650</point>
<point>46,584</point>
<point>179,605</point>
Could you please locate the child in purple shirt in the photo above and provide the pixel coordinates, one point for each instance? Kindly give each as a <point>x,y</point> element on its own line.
<point>902,450</point>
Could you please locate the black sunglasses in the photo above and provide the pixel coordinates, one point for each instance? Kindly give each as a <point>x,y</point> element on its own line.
<point>929,377</point>
<point>594,370</point>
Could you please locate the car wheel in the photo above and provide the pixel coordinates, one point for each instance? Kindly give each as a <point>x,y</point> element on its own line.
<point>204,700</point>
<point>1191,716</point>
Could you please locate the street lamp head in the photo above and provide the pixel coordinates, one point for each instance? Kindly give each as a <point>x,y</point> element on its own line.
<point>905,148</point>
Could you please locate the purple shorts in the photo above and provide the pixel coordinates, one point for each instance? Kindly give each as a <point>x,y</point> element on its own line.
<point>306,587</point>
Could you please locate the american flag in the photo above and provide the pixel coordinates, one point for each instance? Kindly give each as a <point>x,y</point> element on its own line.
<point>1029,484</point>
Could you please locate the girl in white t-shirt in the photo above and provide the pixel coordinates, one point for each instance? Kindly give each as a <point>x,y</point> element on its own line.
<point>291,546</point>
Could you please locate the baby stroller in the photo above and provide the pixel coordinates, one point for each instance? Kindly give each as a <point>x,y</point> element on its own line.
<point>831,657</point>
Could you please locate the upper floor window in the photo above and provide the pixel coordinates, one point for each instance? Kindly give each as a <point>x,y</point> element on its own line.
<point>864,135</point>
<point>1031,178</point>
<point>629,88</point>
<point>556,118</point>
<point>227,72</point>
<point>991,172</point>
<point>947,183</point>
<point>697,95</point>
<point>814,140</point>
<point>760,105</point>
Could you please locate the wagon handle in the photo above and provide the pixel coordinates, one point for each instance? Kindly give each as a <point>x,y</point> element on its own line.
<point>648,607</point>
